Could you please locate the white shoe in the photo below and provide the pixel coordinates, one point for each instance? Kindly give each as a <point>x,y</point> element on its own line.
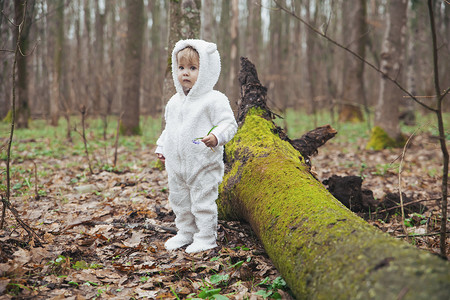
<point>202,244</point>
<point>179,240</point>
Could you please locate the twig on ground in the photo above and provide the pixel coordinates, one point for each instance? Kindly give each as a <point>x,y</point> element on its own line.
<point>31,233</point>
<point>400,167</point>
<point>36,193</point>
<point>405,204</point>
<point>117,139</point>
<point>419,235</point>
<point>83,111</point>
<point>124,225</point>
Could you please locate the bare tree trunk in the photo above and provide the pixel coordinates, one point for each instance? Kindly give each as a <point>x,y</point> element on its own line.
<point>4,66</point>
<point>156,53</point>
<point>184,23</point>
<point>408,115</point>
<point>353,91</point>
<point>23,13</point>
<point>386,132</point>
<point>223,44</point>
<point>87,76</point>
<point>132,71</point>
<point>207,21</point>
<point>100,62</point>
<point>232,86</point>
<point>253,32</point>
<point>57,67</point>
<point>112,76</point>
<point>310,45</point>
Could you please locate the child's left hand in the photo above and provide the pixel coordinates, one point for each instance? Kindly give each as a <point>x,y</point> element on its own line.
<point>210,140</point>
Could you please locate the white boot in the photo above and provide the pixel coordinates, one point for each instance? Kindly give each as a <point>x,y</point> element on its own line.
<point>204,209</point>
<point>202,244</point>
<point>184,220</point>
<point>178,241</point>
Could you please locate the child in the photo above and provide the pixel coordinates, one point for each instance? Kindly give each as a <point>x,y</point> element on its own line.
<point>199,121</point>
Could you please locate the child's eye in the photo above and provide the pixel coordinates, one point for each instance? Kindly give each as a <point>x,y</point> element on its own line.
<point>193,68</point>
<point>181,68</point>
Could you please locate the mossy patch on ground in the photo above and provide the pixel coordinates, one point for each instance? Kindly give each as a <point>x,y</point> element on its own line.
<point>380,140</point>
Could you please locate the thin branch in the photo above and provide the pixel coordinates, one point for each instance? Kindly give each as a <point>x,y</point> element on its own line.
<point>405,204</point>
<point>386,76</point>
<point>444,94</point>
<point>28,229</point>
<point>83,111</point>
<point>117,139</point>
<point>419,235</point>
<point>9,20</point>
<point>36,192</point>
<point>445,154</point>
<point>32,50</point>
<point>400,167</point>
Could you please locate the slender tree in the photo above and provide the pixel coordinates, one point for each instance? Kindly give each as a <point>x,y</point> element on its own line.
<point>310,48</point>
<point>207,20</point>
<point>184,23</point>
<point>353,92</point>
<point>4,66</point>
<point>386,132</point>
<point>132,70</point>
<point>232,85</point>
<point>99,99</point>
<point>23,16</point>
<point>224,43</point>
<point>57,66</point>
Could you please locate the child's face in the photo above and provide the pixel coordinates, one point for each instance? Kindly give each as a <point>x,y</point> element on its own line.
<point>187,72</point>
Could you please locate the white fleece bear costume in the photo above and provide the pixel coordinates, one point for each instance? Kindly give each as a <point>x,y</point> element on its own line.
<point>194,170</point>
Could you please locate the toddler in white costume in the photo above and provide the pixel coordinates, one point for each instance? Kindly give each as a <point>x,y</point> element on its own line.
<point>194,168</point>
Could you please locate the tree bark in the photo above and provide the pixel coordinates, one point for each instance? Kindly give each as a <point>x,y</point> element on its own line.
<point>392,57</point>
<point>232,90</point>
<point>184,23</point>
<point>322,249</point>
<point>353,93</point>
<point>57,68</point>
<point>132,72</point>
<point>23,11</point>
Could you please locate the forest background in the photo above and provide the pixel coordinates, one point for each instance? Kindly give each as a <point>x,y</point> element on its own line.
<point>76,55</point>
<point>109,60</point>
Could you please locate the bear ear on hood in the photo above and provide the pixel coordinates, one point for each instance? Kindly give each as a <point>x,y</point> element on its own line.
<point>211,48</point>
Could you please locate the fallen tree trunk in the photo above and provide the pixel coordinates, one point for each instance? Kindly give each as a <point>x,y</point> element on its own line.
<point>322,249</point>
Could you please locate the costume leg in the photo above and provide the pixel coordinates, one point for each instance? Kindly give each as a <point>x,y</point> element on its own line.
<point>204,208</point>
<point>180,201</point>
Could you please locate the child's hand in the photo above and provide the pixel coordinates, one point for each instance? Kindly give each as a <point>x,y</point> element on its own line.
<point>210,140</point>
<point>161,157</point>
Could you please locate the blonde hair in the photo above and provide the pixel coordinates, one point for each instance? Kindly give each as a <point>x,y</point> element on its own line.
<point>188,53</point>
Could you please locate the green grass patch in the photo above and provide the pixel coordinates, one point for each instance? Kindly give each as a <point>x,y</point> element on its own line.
<point>49,147</point>
<point>299,123</point>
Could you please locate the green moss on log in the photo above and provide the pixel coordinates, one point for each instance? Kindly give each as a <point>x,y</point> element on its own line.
<point>323,250</point>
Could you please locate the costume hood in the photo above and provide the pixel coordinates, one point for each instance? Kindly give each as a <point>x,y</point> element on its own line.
<point>209,66</point>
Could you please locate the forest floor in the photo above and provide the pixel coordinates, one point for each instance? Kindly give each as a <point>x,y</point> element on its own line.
<point>103,234</point>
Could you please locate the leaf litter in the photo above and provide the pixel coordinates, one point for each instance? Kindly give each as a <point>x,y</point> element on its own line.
<point>104,238</point>
<point>104,233</point>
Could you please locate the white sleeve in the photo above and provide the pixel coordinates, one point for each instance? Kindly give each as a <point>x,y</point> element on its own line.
<point>224,120</point>
<point>162,138</point>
